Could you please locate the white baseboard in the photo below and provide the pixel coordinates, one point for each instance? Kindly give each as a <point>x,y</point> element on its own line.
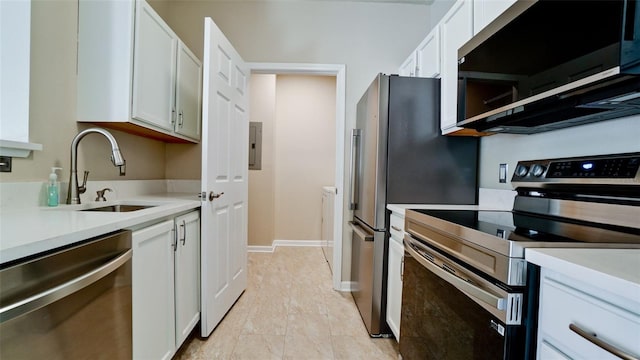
<point>346,286</point>
<point>276,243</point>
<point>260,249</point>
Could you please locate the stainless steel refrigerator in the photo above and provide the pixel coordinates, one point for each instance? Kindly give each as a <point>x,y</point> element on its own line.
<point>399,157</point>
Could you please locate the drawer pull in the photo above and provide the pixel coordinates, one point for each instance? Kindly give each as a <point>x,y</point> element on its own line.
<point>594,339</point>
<point>396,228</point>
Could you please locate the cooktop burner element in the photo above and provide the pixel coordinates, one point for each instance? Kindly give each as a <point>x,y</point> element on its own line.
<point>562,203</point>
<point>528,227</point>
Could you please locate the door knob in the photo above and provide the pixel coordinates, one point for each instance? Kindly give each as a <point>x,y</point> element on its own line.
<point>213,195</point>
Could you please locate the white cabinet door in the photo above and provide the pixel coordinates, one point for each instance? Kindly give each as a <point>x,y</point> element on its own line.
<point>573,312</point>
<point>225,168</point>
<point>428,55</point>
<point>154,69</point>
<point>394,287</point>
<point>134,73</point>
<point>455,29</point>
<point>187,274</point>
<point>408,67</point>
<point>152,292</point>
<point>188,93</point>
<point>15,26</point>
<point>485,12</point>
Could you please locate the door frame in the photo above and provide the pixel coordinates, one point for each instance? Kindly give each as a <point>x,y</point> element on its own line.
<point>337,70</point>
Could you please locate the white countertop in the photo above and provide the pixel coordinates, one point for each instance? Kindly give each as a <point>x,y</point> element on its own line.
<point>31,230</point>
<point>488,199</point>
<point>616,270</point>
<point>401,208</point>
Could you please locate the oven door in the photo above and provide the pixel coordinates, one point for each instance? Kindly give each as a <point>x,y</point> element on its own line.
<point>449,312</point>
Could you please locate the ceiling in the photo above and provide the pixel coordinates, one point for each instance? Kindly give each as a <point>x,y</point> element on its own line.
<point>414,2</point>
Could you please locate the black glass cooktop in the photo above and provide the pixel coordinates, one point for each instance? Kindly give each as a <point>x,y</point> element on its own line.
<point>516,226</point>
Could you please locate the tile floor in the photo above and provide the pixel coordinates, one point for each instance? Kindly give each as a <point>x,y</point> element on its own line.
<point>290,311</point>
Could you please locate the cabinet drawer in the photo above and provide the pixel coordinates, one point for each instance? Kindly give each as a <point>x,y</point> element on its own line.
<point>396,226</point>
<point>614,320</point>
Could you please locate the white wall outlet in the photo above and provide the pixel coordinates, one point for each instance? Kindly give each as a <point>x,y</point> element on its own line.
<point>502,173</point>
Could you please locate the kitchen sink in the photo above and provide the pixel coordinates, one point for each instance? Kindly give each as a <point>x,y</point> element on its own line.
<point>119,208</point>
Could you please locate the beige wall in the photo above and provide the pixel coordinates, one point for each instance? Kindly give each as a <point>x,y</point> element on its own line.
<point>298,156</point>
<point>304,153</point>
<point>367,37</point>
<point>52,109</point>
<point>261,182</point>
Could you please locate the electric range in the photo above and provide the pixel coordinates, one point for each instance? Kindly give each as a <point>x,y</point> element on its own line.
<point>467,288</point>
<point>563,203</point>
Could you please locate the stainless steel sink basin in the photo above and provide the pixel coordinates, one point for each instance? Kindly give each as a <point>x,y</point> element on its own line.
<point>119,208</point>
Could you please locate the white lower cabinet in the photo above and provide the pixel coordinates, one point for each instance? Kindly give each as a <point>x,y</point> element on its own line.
<point>394,275</point>
<point>574,313</point>
<point>165,281</point>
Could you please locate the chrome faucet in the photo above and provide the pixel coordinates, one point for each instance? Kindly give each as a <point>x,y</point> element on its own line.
<point>73,195</point>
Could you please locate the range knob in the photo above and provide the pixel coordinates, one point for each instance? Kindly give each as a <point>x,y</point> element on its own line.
<point>537,170</point>
<point>521,170</point>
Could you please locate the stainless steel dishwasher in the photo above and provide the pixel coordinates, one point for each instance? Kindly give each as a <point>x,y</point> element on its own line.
<point>71,303</point>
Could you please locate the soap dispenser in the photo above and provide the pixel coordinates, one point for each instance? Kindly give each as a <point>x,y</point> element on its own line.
<point>52,187</point>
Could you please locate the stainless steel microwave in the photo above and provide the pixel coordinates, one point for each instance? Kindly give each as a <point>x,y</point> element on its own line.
<point>550,64</point>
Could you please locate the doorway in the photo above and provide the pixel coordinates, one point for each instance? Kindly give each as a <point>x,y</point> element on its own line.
<point>337,71</point>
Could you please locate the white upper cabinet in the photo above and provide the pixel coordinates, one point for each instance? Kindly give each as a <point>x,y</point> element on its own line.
<point>428,54</point>
<point>485,12</point>
<point>437,55</point>
<point>424,61</point>
<point>15,51</point>
<point>134,73</point>
<point>408,67</point>
<point>456,28</point>
<point>188,93</point>
<point>154,69</point>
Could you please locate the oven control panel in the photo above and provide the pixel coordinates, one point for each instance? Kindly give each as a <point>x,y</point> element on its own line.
<point>603,169</point>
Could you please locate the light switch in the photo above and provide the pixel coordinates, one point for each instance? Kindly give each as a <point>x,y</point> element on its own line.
<point>502,175</point>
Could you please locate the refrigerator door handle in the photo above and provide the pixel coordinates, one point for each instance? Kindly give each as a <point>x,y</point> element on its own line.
<point>360,232</point>
<point>354,164</point>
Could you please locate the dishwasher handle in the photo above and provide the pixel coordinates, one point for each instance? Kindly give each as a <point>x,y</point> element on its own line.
<point>49,296</point>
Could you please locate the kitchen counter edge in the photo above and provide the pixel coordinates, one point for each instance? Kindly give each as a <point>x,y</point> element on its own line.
<point>616,270</point>
<point>26,232</point>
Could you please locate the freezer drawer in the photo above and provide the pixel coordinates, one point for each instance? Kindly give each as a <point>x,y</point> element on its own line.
<point>369,277</point>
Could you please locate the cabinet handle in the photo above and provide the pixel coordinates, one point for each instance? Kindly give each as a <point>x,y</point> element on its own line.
<point>173,116</point>
<point>180,118</point>
<point>184,231</point>
<point>174,241</point>
<point>396,228</point>
<point>402,269</point>
<point>593,337</point>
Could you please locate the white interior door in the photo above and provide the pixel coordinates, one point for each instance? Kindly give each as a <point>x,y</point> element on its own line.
<point>225,141</point>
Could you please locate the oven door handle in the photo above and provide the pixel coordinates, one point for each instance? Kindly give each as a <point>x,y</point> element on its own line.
<point>461,284</point>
